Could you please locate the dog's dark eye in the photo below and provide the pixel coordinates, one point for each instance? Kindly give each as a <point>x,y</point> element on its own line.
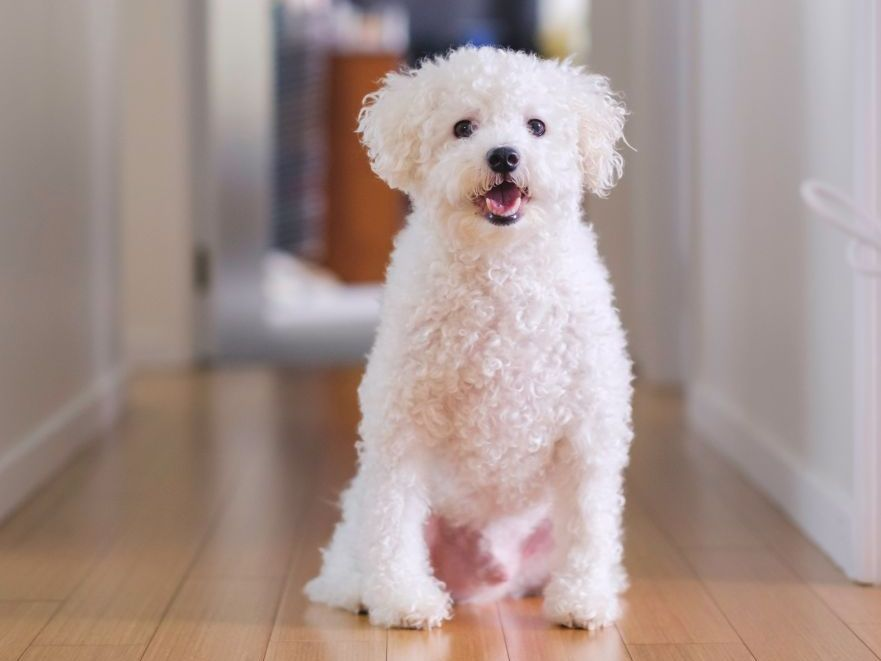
<point>464,128</point>
<point>536,127</point>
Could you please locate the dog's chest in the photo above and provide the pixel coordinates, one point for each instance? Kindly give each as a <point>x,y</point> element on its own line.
<point>493,357</point>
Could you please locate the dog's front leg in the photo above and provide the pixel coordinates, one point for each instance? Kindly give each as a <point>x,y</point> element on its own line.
<point>587,579</point>
<point>399,587</point>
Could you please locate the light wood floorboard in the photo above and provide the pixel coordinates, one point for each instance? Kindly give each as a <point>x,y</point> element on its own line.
<point>20,622</point>
<point>777,616</point>
<point>84,653</point>
<point>666,602</point>
<point>190,531</point>
<point>691,652</point>
<point>528,636</point>
<point>870,635</point>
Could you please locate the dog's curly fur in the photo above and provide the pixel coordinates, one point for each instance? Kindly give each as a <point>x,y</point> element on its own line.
<point>496,401</point>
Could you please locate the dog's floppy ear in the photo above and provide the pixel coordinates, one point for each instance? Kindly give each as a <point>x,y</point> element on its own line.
<point>389,127</point>
<point>601,117</point>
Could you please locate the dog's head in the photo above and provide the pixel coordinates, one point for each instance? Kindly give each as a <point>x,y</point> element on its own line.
<point>494,137</point>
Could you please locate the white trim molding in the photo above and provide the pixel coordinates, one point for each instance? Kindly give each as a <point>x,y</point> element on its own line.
<point>866,532</point>
<point>41,453</point>
<point>822,513</point>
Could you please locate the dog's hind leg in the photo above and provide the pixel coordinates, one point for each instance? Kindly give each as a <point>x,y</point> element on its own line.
<point>339,582</point>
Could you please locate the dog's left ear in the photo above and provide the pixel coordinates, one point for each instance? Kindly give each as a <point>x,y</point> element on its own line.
<point>601,117</point>
<point>389,125</point>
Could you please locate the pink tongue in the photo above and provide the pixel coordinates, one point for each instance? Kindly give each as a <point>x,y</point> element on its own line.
<point>503,199</point>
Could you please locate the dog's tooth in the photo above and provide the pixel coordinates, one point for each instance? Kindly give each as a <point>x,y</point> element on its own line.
<point>517,204</point>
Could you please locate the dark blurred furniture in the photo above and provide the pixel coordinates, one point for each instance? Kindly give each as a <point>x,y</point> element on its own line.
<point>298,204</point>
<point>437,26</point>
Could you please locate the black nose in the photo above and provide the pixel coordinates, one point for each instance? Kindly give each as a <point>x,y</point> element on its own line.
<point>503,159</point>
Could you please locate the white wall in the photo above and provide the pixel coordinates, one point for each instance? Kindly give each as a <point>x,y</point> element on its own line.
<point>613,216</point>
<point>771,383</point>
<point>867,300</point>
<point>643,226</point>
<point>157,182</point>
<point>59,368</point>
<point>726,282</point>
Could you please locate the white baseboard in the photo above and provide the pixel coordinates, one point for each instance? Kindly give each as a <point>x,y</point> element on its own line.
<point>38,455</point>
<point>823,514</point>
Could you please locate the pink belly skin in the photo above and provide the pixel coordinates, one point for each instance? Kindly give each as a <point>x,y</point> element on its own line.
<point>476,567</point>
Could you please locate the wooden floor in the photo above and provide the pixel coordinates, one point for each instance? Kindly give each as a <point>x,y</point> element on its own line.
<point>189,534</point>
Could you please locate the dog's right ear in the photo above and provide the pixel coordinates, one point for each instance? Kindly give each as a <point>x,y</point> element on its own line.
<point>601,116</point>
<point>389,126</point>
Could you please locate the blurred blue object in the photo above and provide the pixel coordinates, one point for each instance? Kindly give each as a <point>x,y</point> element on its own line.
<point>484,33</point>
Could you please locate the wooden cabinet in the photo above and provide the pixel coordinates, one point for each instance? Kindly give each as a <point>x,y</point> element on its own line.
<point>363,214</point>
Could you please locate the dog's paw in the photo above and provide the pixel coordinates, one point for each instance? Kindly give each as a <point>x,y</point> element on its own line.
<point>338,592</point>
<point>579,605</point>
<point>421,604</point>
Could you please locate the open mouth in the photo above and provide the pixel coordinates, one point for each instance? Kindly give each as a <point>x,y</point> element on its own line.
<point>501,204</point>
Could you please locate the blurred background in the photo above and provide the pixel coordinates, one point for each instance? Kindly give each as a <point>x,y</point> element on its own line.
<point>181,186</point>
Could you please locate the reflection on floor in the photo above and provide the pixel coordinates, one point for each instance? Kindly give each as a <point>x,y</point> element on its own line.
<point>190,532</point>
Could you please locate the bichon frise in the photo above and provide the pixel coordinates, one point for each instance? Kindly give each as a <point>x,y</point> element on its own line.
<point>496,401</point>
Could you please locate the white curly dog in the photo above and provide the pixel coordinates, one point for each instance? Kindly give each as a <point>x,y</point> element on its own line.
<point>496,401</point>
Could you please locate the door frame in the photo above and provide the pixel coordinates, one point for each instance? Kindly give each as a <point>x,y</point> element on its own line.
<point>867,301</point>
<point>232,120</point>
